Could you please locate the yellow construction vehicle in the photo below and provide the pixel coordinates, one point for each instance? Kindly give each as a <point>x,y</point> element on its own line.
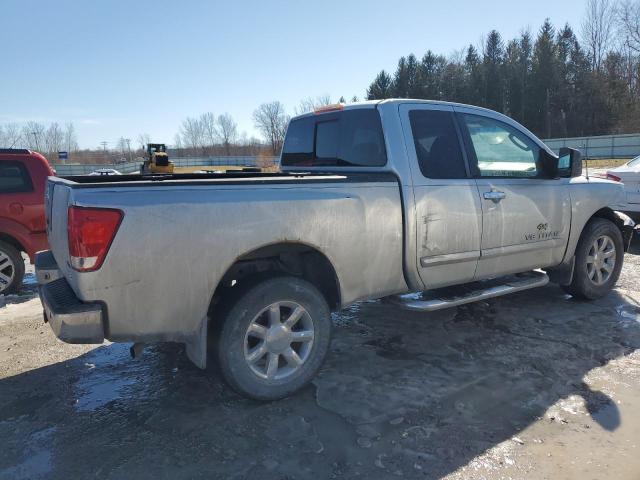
<point>157,160</point>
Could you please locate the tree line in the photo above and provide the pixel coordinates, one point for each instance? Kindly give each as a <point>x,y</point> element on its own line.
<point>48,139</point>
<point>557,83</point>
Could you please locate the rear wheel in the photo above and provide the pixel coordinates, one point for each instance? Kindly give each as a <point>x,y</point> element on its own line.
<point>599,257</point>
<point>274,338</point>
<point>11,268</point>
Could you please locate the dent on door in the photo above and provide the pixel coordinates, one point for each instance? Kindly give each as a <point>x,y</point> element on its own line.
<point>449,231</point>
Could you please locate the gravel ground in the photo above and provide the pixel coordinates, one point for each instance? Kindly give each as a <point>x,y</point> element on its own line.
<point>535,385</point>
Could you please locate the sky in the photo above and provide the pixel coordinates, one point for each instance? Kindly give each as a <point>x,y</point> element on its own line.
<point>120,68</point>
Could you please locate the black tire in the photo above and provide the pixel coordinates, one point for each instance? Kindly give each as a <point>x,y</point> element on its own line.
<point>16,269</point>
<point>582,286</point>
<point>233,341</point>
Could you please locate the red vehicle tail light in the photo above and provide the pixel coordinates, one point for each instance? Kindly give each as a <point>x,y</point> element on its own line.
<point>613,177</point>
<point>90,232</point>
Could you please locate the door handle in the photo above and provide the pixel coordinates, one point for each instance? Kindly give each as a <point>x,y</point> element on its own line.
<point>494,195</point>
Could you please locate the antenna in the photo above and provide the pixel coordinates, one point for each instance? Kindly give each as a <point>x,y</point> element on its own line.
<point>586,163</point>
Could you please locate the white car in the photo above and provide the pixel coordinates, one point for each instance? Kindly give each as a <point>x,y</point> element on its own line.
<point>105,171</point>
<point>629,174</point>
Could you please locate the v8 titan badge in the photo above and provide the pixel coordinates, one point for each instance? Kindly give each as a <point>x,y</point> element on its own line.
<point>542,233</point>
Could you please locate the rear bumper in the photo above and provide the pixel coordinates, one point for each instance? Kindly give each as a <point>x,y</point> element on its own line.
<point>71,320</point>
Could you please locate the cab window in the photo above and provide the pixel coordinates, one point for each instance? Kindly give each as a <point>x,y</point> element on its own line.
<point>501,150</point>
<point>437,146</point>
<point>350,138</point>
<point>14,178</point>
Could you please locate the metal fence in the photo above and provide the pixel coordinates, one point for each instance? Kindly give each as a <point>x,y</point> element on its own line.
<point>134,167</point>
<point>605,146</point>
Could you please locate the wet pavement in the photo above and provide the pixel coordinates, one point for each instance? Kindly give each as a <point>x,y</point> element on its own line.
<point>533,385</point>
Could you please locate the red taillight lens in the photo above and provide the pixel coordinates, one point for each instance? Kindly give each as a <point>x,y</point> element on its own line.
<point>91,231</point>
<point>613,177</point>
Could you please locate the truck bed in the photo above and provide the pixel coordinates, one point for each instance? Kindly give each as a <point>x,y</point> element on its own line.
<point>180,234</point>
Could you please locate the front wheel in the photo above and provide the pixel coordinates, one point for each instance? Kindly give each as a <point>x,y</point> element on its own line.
<point>274,338</point>
<point>11,268</point>
<point>599,257</point>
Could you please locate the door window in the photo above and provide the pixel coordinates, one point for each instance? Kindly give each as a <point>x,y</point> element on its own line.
<point>501,150</point>
<point>437,145</point>
<point>14,178</point>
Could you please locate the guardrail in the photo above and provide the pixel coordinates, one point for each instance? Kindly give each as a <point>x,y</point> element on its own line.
<point>134,167</point>
<point>604,146</point>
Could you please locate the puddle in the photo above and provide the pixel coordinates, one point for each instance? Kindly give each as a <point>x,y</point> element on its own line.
<point>628,314</point>
<point>103,381</point>
<point>37,464</point>
<point>347,316</point>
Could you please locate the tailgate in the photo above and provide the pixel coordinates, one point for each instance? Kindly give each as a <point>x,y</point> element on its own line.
<point>56,203</point>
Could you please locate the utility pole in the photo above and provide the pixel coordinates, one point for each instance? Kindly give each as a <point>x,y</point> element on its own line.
<point>104,147</point>
<point>35,139</point>
<point>128,140</point>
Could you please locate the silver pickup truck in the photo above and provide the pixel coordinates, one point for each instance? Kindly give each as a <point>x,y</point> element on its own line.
<point>427,204</point>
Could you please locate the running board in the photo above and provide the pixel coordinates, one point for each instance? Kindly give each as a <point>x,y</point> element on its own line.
<point>432,300</point>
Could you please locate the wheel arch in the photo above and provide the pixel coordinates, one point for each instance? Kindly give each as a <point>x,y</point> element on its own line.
<point>297,259</point>
<point>6,238</point>
<point>563,274</point>
<point>620,220</point>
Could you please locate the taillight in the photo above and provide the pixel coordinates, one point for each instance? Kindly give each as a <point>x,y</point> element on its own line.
<point>90,232</point>
<point>613,177</point>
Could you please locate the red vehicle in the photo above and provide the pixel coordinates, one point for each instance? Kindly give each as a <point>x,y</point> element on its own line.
<point>23,176</point>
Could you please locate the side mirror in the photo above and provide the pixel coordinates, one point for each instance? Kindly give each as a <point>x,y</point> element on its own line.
<point>569,163</point>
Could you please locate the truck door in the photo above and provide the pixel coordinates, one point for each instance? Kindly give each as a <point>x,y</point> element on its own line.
<point>525,217</point>
<point>447,203</point>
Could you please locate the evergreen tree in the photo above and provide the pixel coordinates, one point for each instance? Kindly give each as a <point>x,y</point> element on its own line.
<point>429,76</point>
<point>492,65</point>
<point>400,86</point>
<point>549,85</point>
<point>380,88</point>
<point>544,80</point>
<point>413,85</point>
<point>473,78</point>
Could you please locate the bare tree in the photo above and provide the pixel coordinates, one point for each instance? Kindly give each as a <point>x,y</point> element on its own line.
<point>271,119</point>
<point>629,22</point>
<point>209,129</point>
<point>228,131</point>
<point>192,133</point>
<point>598,28</point>
<point>143,140</point>
<point>122,145</point>
<point>33,135</point>
<point>177,141</point>
<point>53,139</point>
<point>10,136</point>
<point>309,104</point>
<point>70,138</point>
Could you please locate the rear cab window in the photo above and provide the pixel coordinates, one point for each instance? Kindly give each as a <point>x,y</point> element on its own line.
<point>348,138</point>
<point>437,144</point>
<point>14,177</point>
